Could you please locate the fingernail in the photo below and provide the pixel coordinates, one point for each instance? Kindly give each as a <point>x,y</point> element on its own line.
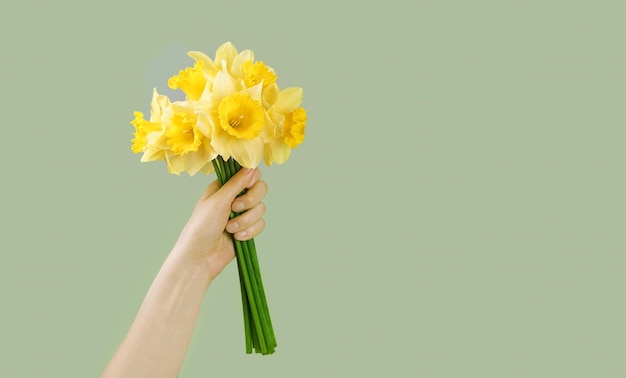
<point>238,206</point>
<point>242,234</point>
<point>232,227</point>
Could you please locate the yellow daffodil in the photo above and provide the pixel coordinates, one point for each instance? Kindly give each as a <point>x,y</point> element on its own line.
<point>293,128</point>
<point>148,133</point>
<point>142,128</point>
<point>241,116</point>
<point>257,72</point>
<point>237,123</point>
<point>156,147</point>
<point>189,149</point>
<point>182,132</point>
<point>191,81</point>
<point>288,123</point>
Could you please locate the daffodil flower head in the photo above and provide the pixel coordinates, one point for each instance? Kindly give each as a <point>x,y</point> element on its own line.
<point>241,116</point>
<point>257,72</point>
<point>293,127</point>
<point>191,81</point>
<point>183,135</point>
<point>142,129</point>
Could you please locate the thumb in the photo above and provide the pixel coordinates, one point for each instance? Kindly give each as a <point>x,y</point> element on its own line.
<point>231,189</point>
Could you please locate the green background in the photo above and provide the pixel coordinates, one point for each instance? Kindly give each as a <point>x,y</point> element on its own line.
<point>456,210</point>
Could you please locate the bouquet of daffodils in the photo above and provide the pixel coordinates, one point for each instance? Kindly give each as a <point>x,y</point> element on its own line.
<point>234,115</point>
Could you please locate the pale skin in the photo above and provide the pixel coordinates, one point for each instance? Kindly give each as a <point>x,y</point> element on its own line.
<point>156,344</point>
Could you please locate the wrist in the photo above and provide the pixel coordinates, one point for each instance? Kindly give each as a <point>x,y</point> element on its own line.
<point>196,271</point>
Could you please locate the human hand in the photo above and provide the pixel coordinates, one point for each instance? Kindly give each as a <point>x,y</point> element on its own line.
<point>206,238</point>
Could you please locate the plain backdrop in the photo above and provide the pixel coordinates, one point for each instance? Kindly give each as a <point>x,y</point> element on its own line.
<point>456,210</point>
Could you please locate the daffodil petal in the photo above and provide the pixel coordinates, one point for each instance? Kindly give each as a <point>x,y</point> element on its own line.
<point>247,152</point>
<point>223,86</point>
<point>170,168</point>
<point>157,140</point>
<point>151,154</point>
<point>276,152</point>
<point>225,53</point>
<point>191,162</point>
<point>269,132</point>
<point>158,103</point>
<point>208,168</point>
<point>205,98</point>
<point>255,92</point>
<point>277,119</point>
<point>243,56</point>
<point>270,94</point>
<point>288,99</point>
<point>203,123</point>
<point>210,69</point>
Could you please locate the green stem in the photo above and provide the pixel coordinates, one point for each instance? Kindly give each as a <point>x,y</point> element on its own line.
<point>248,275</point>
<point>250,289</point>
<point>248,330</point>
<point>257,322</point>
<point>259,298</point>
<point>255,338</point>
<point>255,263</point>
<point>220,172</point>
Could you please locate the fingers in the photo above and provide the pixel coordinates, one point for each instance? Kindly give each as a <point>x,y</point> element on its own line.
<point>250,222</point>
<point>247,219</point>
<point>247,225</point>
<point>240,181</point>
<point>251,198</point>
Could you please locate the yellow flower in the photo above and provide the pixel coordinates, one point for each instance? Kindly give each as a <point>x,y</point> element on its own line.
<point>238,121</point>
<point>281,103</point>
<point>147,132</point>
<point>258,72</point>
<point>293,125</point>
<point>156,147</point>
<point>191,81</point>
<point>182,132</point>
<point>187,135</point>
<point>241,116</point>
<point>142,128</point>
<point>293,128</point>
<point>288,123</point>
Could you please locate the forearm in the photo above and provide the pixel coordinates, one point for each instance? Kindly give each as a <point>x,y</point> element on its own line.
<point>157,341</point>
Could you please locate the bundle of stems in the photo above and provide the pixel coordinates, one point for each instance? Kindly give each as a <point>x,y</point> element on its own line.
<point>258,328</point>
